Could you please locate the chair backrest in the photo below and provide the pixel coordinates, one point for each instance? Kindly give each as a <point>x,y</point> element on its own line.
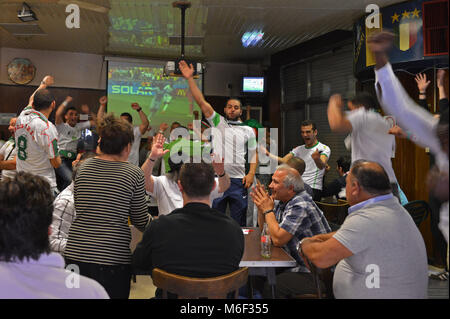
<point>187,287</point>
<point>334,213</point>
<point>324,275</point>
<point>419,210</point>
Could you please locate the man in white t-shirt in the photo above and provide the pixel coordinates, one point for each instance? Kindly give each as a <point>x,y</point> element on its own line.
<point>69,133</point>
<point>230,135</point>
<point>315,155</point>
<point>165,188</point>
<point>37,137</point>
<point>8,153</point>
<point>138,131</point>
<point>369,131</point>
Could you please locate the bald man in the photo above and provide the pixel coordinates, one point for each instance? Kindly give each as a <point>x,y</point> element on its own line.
<point>291,215</point>
<point>378,250</point>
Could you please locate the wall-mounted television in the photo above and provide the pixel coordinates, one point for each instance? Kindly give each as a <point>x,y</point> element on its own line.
<point>253,85</point>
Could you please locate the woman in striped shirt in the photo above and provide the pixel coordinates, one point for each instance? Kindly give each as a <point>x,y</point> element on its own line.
<point>108,191</point>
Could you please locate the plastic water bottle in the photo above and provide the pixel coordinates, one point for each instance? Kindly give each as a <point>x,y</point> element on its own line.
<point>265,242</point>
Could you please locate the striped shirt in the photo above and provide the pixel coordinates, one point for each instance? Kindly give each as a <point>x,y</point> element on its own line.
<point>106,194</point>
<point>301,218</point>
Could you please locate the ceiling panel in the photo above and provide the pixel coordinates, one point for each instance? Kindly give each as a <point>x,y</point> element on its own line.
<point>142,28</point>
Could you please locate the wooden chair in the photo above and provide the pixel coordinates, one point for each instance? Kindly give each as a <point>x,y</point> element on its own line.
<point>191,288</point>
<point>320,275</point>
<point>334,212</point>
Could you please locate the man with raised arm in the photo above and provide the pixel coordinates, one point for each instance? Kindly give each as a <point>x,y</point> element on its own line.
<point>69,133</point>
<point>37,137</point>
<point>235,139</point>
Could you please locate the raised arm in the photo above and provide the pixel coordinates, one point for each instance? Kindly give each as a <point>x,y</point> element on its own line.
<point>156,152</point>
<point>422,85</point>
<point>336,117</point>
<point>144,125</point>
<point>102,108</point>
<point>59,119</point>
<point>395,100</point>
<point>188,73</point>
<point>46,82</point>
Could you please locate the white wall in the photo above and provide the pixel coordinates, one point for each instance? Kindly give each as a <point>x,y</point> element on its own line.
<point>78,70</point>
<point>82,70</point>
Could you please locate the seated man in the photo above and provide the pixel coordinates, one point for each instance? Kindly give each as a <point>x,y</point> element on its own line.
<point>292,217</point>
<point>337,186</point>
<point>27,267</point>
<point>379,250</point>
<point>196,240</point>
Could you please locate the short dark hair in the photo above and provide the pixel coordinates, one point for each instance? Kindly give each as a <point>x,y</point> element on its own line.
<point>128,116</point>
<point>42,99</point>
<point>26,209</point>
<point>365,99</point>
<point>115,134</point>
<point>70,108</point>
<point>197,179</point>
<point>235,98</point>
<point>308,123</point>
<point>345,162</point>
<point>298,164</point>
<point>373,179</point>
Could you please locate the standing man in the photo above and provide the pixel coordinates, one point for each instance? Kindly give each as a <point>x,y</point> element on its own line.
<point>370,131</point>
<point>379,250</point>
<point>236,138</point>
<point>8,153</point>
<point>138,131</point>
<point>69,133</point>
<point>314,153</point>
<point>291,215</point>
<point>37,137</point>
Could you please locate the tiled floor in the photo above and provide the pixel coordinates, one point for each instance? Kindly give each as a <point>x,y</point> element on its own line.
<point>144,289</point>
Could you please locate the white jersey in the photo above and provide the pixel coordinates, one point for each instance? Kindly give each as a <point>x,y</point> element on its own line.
<point>168,195</point>
<point>36,143</point>
<point>8,150</point>
<point>236,139</point>
<point>371,140</point>
<point>313,176</point>
<point>68,137</point>
<point>133,158</point>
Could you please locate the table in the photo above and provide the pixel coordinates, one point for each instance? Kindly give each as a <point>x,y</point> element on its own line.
<point>260,266</point>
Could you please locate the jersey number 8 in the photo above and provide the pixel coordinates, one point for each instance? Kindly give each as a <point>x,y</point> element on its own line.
<point>21,148</point>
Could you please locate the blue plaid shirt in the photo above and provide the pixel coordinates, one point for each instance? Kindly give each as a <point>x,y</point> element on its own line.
<point>301,218</point>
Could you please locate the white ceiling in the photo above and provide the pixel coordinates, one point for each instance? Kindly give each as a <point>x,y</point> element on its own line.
<point>141,28</point>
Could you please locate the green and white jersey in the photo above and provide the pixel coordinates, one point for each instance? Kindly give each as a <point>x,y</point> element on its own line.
<point>232,140</point>
<point>312,175</point>
<point>36,143</point>
<point>68,137</point>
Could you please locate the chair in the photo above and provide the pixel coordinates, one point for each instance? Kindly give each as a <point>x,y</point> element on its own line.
<point>190,288</point>
<point>334,213</point>
<point>324,275</point>
<point>419,210</point>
